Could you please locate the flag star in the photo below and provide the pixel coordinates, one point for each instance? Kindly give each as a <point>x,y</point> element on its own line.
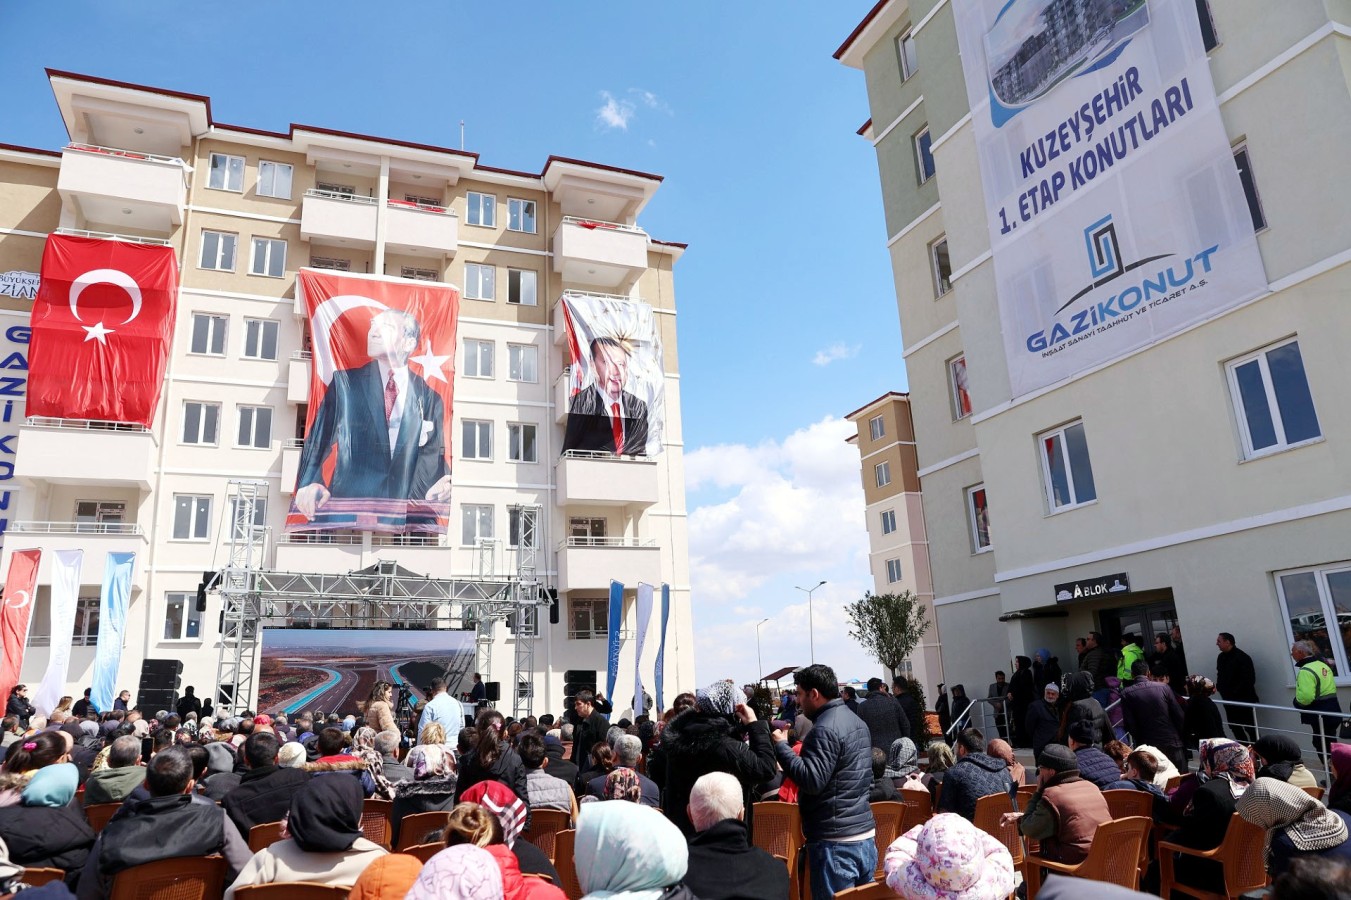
<point>431,363</point>
<point>96,333</point>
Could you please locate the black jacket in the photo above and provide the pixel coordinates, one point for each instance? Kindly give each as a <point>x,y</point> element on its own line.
<point>19,707</point>
<point>47,837</point>
<point>1097,767</point>
<point>429,795</point>
<point>696,743</point>
<point>834,774</point>
<point>915,715</point>
<point>560,767</point>
<point>586,734</point>
<point>1152,715</point>
<point>264,795</point>
<point>507,769</point>
<point>1235,677</point>
<point>1041,725</point>
<point>973,776</point>
<point>886,721</point>
<point>1201,720</point>
<point>724,866</point>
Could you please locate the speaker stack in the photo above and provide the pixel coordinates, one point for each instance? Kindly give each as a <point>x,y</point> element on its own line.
<point>159,685</point>
<point>575,680</point>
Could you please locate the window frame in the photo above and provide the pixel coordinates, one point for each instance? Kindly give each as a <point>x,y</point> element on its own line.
<point>973,525</point>
<point>1254,202</point>
<point>520,427</point>
<point>519,351</point>
<point>214,319</point>
<point>518,278</point>
<point>419,273</point>
<point>271,245</point>
<point>1048,485</point>
<point>887,518</point>
<point>219,235</point>
<point>1341,653</point>
<point>898,574</point>
<point>920,154</point>
<point>331,263</point>
<point>597,611</point>
<point>877,428</point>
<point>1259,356</point>
<point>190,616</point>
<point>955,390</point>
<point>290,179</point>
<point>942,286</point>
<point>469,210</point>
<point>478,425</point>
<point>533,214</point>
<point>262,339</point>
<point>879,471</point>
<point>86,630</point>
<point>473,359</point>
<point>201,420</point>
<point>478,509</point>
<point>253,427</point>
<point>481,268</point>
<point>908,67</point>
<point>195,515</point>
<point>210,171</point>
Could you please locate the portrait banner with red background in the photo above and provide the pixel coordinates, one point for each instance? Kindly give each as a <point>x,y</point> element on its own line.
<point>377,449</point>
<point>21,583</point>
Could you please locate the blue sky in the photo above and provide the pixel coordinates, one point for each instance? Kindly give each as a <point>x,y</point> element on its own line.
<point>787,309</point>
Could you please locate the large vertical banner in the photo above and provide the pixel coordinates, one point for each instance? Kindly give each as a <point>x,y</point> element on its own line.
<point>643,612</point>
<point>14,338</point>
<point>102,324</point>
<point>16,615</point>
<point>377,450</point>
<point>616,385</point>
<point>659,675</point>
<point>65,595</point>
<point>113,604</point>
<point>1115,210</point>
<point>615,622</point>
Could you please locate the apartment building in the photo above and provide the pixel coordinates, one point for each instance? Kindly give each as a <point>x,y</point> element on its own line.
<point>898,549</point>
<point>1199,479</point>
<point>244,209</point>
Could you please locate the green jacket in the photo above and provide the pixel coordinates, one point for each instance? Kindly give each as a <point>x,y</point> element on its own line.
<point>1313,680</point>
<point>1129,654</point>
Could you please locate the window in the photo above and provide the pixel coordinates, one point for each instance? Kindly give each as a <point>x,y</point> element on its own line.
<point>269,257</point>
<point>588,618</point>
<point>961,396</point>
<point>479,281</point>
<point>330,262</point>
<point>1311,599</point>
<point>521,287</point>
<point>274,180</point>
<point>259,520</point>
<point>476,524</point>
<point>342,191</point>
<point>905,51</point>
<point>86,633</point>
<point>877,428</point>
<point>255,427</point>
<point>523,363</point>
<point>218,251</point>
<point>477,440</point>
<point>192,517</point>
<point>978,512</point>
<point>1209,38</point>
<point>182,621</point>
<point>587,529</point>
<point>893,571</point>
<point>924,158</point>
<point>883,473</point>
<point>200,422</point>
<point>482,210</point>
<point>208,334</point>
<point>520,215</point>
<point>888,521</point>
<point>521,446</point>
<point>227,173</point>
<point>478,359</point>
<point>1272,400</point>
<point>514,528</point>
<point>260,339</point>
<point>942,266</point>
<point>421,200</point>
<point>1065,467</point>
<point>418,274</point>
<point>1245,177</point>
<point>90,514</point>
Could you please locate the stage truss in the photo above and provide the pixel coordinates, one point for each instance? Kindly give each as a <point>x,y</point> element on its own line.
<point>384,595</point>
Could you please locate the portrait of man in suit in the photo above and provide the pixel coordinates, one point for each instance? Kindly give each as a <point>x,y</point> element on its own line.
<point>387,423</point>
<point>604,416</point>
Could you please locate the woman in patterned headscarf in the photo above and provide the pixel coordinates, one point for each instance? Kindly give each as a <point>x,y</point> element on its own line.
<point>431,789</point>
<point>623,784</point>
<point>462,872</point>
<point>363,748</point>
<point>1228,773</point>
<point>1296,824</point>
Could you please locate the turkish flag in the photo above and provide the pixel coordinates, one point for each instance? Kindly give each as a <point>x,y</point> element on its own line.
<point>102,323</point>
<point>20,586</point>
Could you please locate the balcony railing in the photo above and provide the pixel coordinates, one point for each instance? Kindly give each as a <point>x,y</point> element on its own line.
<point>293,444</point>
<point>608,226</point>
<point>354,540</point>
<point>128,154</point>
<point>415,206</point>
<point>342,195</point>
<point>85,424</point>
<point>301,537</point>
<point>110,236</point>
<point>603,455</point>
<point>607,542</point>
<point>302,354</point>
<point>122,528</point>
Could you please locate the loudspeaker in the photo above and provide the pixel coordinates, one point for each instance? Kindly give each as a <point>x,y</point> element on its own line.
<point>575,680</point>
<point>160,676</point>
<point>151,701</point>
<point>553,605</point>
<point>494,689</point>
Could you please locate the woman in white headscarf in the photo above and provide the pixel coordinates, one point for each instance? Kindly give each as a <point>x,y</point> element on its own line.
<point>625,851</point>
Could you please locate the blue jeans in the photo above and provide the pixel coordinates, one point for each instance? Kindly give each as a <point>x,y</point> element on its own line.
<point>837,865</point>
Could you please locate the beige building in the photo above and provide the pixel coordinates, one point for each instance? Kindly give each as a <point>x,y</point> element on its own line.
<point>1204,480</point>
<point>898,549</point>
<point>244,209</point>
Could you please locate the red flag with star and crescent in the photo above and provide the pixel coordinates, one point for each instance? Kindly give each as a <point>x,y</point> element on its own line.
<point>102,323</point>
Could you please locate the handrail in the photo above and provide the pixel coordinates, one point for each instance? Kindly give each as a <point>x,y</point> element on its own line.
<point>302,354</point>
<point>293,444</point>
<point>605,454</point>
<point>341,195</point>
<point>111,236</point>
<point>414,206</point>
<point>127,154</point>
<point>86,424</point>
<point>598,223</point>
<point>607,542</point>
<point>121,528</point>
<point>319,537</point>
<point>593,295</point>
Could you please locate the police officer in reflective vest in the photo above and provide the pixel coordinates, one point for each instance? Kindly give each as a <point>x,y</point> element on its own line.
<point>1315,690</point>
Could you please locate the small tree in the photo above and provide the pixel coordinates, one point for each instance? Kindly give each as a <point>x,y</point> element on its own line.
<point>889,626</point>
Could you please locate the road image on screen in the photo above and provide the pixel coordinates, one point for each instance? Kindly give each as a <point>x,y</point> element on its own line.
<point>333,670</point>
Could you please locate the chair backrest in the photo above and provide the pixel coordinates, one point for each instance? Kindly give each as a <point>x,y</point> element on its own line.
<point>1124,803</point>
<point>293,890</point>
<point>1114,856</point>
<point>544,825</point>
<point>1172,783</point>
<point>1314,792</point>
<point>98,814</point>
<point>181,878</point>
<point>413,828</point>
<point>424,852</point>
<point>918,808</point>
<point>39,877</point>
<point>989,810</point>
<point>878,890</point>
<point>375,817</point>
<point>263,836</point>
<point>778,829</point>
<point>565,843</point>
<point>1241,855</point>
<point>888,816</point>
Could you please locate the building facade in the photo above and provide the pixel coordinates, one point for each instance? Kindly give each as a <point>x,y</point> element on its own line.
<point>1203,480</point>
<point>245,209</point>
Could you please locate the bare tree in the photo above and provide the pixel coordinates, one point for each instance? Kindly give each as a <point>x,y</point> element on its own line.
<point>889,626</point>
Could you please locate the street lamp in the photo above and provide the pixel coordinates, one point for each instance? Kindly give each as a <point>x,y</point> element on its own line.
<point>811,626</point>
<point>758,660</point>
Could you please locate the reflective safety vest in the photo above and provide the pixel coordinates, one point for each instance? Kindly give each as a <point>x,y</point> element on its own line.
<point>1314,681</point>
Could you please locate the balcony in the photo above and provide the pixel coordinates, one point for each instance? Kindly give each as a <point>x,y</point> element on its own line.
<point>603,479</point>
<point>591,563</point>
<point>96,539</point>
<point>77,451</point>
<point>424,554</point>
<point>298,377</point>
<point>123,189</point>
<point>607,255</point>
<point>290,464</point>
<point>417,229</point>
<point>329,217</point>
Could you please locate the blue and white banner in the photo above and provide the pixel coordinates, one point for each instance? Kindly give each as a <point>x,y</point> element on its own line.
<point>113,603</point>
<point>14,334</point>
<point>659,675</point>
<point>615,624</point>
<point>65,574</point>
<point>643,612</point>
<point>1115,210</point>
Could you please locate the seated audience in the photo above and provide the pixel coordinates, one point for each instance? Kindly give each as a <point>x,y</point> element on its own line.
<point>628,750</point>
<point>432,787</point>
<point>1228,774</point>
<point>512,815</point>
<point>559,765</point>
<point>45,830</point>
<point>1065,810</point>
<point>496,827</point>
<point>1094,764</point>
<point>1339,796</point>
<point>1003,750</point>
<point>492,759</point>
<point>1280,757</point>
<point>390,877</point>
<point>221,777</point>
<point>26,757</point>
<point>903,765</point>
<point>1296,824</point>
<point>546,791</point>
<point>387,745</point>
<point>462,872</point>
<point>948,857</point>
<point>974,775</point>
<point>722,863</point>
<point>1312,878</point>
<point>266,790</point>
<point>883,789</point>
<point>122,774</point>
<point>1138,775</point>
<point>627,849</point>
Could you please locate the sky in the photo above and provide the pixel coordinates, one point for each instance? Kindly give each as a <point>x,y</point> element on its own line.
<point>787,312</point>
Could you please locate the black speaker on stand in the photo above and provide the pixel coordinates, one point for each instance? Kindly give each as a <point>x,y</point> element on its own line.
<point>158,688</point>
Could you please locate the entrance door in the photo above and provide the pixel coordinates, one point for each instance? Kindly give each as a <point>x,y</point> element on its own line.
<point>1144,621</point>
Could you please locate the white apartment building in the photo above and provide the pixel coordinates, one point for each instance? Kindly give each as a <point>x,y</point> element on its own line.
<point>244,209</point>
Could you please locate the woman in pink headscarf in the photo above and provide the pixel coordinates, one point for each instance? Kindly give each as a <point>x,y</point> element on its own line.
<point>462,872</point>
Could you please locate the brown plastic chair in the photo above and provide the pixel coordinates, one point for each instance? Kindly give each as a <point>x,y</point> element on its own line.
<point>778,831</point>
<point>1025,792</point>
<point>424,852</point>
<point>888,816</point>
<point>181,878</point>
<point>989,810</point>
<point>414,827</point>
<point>1114,857</point>
<point>98,814</point>
<point>918,808</point>
<point>375,818</point>
<point>39,877</point>
<point>1314,792</point>
<point>293,890</point>
<point>1123,803</point>
<point>544,825</point>
<point>263,836</point>
<point>1239,854</point>
<point>1171,784</point>
<point>878,890</point>
<point>565,843</point>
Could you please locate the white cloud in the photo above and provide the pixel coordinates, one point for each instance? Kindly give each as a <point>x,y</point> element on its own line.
<point>836,351</point>
<point>651,100</point>
<point>614,113</point>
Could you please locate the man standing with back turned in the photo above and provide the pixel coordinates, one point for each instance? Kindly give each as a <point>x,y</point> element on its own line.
<point>1236,679</point>
<point>833,774</point>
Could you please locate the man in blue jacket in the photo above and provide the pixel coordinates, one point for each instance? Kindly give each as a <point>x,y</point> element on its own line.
<point>834,774</point>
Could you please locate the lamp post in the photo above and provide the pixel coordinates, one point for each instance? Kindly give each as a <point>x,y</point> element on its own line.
<point>758,660</point>
<point>811,625</point>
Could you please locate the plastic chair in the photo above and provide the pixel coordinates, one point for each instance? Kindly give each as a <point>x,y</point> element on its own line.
<point>778,831</point>
<point>181,878</point>
<point>565,843</point>
<point>918,808</point>
<point>375,821</point>
<point>263,836</point>
<point>888,816</point>
<point>1124,803</point>
<point>98,814</point>
<point>39,877</point>
<point>1171,784</point>
<point>1114,857</point>
<point>1314,792</point>
<point>989,810</point>
<point>413,828</point>
<point>878,890</point>
<point>544,825</point>
<point>424,852</point>
<point>1240,856</point>
<point>293,890</point>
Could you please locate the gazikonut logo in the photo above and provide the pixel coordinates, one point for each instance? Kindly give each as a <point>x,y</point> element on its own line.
<point>1105,265</point>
